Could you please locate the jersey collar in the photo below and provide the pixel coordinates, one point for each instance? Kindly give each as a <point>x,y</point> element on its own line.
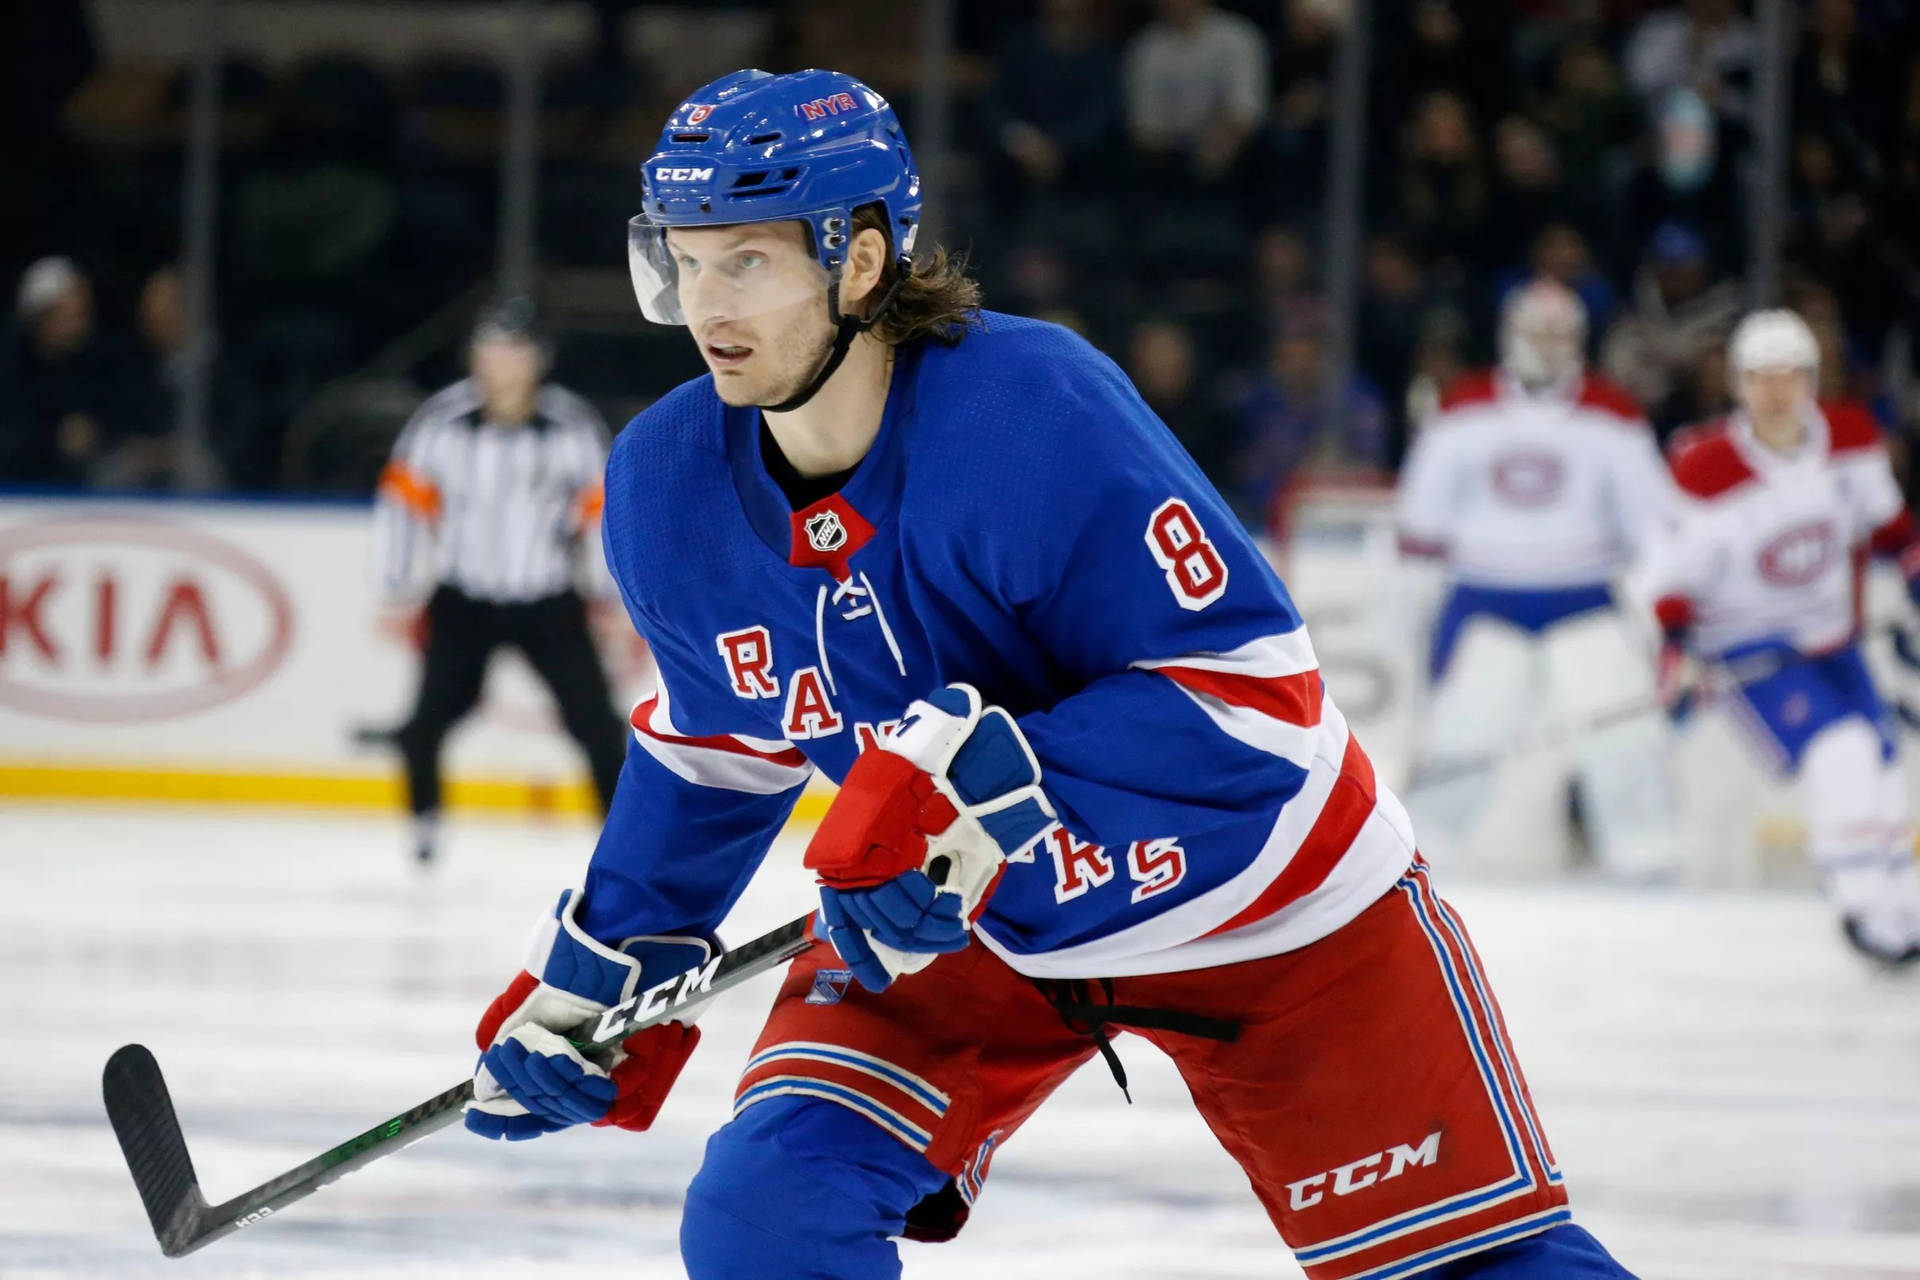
<point>829,533</point>
<point>1563,394</point>
<point>1761,460</point>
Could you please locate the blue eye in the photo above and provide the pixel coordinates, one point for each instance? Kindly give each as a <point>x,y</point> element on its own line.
<point>748,261</point>
<point>687,265</point>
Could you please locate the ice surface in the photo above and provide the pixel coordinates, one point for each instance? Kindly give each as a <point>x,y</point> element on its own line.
<point>1732,1094</point>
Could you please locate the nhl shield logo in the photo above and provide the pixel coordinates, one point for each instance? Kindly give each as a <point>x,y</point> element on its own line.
<point>825,532</point>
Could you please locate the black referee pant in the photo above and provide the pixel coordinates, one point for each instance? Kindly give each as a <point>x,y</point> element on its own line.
<point>462,634</point>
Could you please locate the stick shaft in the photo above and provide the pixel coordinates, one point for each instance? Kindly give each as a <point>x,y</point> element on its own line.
<point>184,1223</point>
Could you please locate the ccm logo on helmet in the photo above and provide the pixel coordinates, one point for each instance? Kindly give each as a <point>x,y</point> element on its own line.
<point>663,173</point>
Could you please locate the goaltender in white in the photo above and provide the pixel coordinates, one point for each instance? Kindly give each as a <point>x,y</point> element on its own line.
<point>1532,490</point>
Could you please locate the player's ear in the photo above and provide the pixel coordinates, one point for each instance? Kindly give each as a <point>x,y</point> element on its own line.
<point>866,263</point>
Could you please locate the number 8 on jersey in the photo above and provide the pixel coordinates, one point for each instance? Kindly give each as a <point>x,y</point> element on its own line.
<point>1194,569</point>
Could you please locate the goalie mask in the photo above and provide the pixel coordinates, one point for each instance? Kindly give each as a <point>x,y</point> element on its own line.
<point>1543,335</point>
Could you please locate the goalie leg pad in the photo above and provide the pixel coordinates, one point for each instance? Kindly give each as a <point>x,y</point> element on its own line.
<point>801,1188</point>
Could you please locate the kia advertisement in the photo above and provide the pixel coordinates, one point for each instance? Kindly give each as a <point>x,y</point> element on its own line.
<point>242,637</point>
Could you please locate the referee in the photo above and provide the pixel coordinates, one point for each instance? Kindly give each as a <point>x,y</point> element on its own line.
<point>497,478</point>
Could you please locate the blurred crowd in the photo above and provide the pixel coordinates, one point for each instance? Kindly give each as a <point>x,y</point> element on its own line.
<point>1150,173</point>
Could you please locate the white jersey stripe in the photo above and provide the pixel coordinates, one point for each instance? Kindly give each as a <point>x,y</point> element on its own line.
<point>1182,937</point>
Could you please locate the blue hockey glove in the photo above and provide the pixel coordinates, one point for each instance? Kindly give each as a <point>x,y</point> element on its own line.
<point>918,835</point>
<point>531,1080</point>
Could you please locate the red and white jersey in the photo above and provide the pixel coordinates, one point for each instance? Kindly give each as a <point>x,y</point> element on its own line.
<point>1529,492</point>
<point>1771,545</point>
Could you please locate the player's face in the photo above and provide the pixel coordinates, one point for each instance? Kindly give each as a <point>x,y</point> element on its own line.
<point>755,299</point>
<point>1774,393</point>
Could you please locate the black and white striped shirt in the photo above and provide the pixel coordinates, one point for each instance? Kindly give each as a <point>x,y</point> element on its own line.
<point>501,510</point>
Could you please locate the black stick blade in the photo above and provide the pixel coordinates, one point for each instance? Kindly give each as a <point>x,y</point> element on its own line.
<point>141,1111</point>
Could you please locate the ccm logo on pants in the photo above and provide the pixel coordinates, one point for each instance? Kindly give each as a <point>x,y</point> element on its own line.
<point>1363,1173</point>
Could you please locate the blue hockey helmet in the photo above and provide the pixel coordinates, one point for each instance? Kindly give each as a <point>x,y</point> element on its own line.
<point>752,146</point>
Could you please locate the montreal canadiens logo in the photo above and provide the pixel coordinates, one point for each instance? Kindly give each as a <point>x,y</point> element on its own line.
<point>699,114</point>
<point>1528,479</point>
<point>1799,555</point>
<point>825,532</point>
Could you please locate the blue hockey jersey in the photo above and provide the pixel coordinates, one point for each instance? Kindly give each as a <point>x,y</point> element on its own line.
<point>1023,523</point>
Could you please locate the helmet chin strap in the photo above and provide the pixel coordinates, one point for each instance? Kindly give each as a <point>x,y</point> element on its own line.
<point>846,329</point>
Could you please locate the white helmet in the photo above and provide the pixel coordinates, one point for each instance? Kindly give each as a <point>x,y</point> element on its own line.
<point>1775,339</point>
<point>1543,333</point>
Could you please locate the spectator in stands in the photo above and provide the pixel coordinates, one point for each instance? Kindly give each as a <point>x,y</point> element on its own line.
<point>1843,374</point>
<point>1704,394</point>
<point>1442,186</point>
<point>1903,162</point>
<point>1054,106</point>
<point>1704,45</point>
<point>1688,171</point>
<point>1292,425</point>
<point>1843,83</point>
<point>1872,281</point>
<point>1393,307</point>
<point>48,53</point>
<point>1446,46</point>
<point>1280,284</point>
<point>1164,364</point>
<point>1529,189</point>
<point>1560,253</point>
<point>1439,359</point>
<point>1593,119</point>
<point>1677,310</point>
<point>69,396</point>
<point>1195,85</point>
<point>1303,63</point>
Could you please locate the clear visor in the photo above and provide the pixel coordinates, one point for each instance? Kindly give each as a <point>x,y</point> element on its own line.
<point>711,275</point>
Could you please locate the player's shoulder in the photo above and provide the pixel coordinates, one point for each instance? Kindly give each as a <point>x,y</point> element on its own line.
<point>1607,401</point>
<point>1014,392</point>
<point>669,433</point>
<point>1015,349</point>
<point>1475,389</point>
<point>668,486</point>
<point>1705,461</point>
<point>1850,426</point>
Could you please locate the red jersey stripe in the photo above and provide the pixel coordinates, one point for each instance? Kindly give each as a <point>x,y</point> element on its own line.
<point>643,713</point>
<point>1347,809</point>
<point>1294,699</point>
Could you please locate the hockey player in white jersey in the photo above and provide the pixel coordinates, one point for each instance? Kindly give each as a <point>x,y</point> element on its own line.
<point>1532,489</point>
<point>1784,501</point>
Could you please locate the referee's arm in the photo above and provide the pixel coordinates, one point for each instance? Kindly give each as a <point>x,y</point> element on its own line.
<point>408,502</point>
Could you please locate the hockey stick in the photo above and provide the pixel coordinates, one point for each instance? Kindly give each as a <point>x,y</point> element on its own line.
<point>1744,671</point>
<point>143,1118</point>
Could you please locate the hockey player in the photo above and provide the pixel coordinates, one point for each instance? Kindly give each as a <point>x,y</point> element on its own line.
<point>1531,490</point>
<point>1785,499</point>
<point>1089,775</point>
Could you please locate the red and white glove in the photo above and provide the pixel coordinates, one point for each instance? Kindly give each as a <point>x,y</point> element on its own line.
<point>921,829</point>
<point>532,1080</point>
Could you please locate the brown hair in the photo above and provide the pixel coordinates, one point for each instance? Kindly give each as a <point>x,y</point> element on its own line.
<point>937,300</point>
